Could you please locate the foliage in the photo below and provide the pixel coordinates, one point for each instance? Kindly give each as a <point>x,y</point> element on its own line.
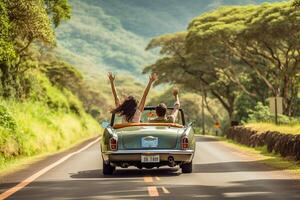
<point>191,104</point>
<point>238,55</point>
<point>296,3</point>
<point>6,120</point>
<point>110,35</point>
<point>26,22</point>
<point>94,39</point>
<point>39,129</point>
<point>59,10</point>
<point>256,37</point>
<point>282,128</point>
<point>199,77</point>
<point>6,48</point>
<point>261,113</point>
<point>244,104</point>
<point>50,119</point>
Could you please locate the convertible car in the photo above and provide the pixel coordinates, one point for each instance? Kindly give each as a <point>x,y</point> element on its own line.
<point>147,145</point>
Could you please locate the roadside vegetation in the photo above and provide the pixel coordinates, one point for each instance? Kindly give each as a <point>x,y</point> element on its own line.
<point>270,159</point>
<point>238,56</point>
<point>45,103</point>
<point>264,127</point>
<point>233,58</point>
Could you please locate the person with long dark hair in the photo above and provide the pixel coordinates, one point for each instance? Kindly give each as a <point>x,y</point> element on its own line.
<point>130,109</point>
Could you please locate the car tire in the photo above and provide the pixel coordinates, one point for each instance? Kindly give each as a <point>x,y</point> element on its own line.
<point>187,168</point>
<point>108,169</point>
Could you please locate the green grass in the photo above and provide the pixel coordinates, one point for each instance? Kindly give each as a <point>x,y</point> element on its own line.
<point>41,130</point>
<point>270,159</point>
<point>48,120</point>
<point>263,127</point>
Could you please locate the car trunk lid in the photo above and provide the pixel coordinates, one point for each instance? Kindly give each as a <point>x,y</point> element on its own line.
<point>148,137</point>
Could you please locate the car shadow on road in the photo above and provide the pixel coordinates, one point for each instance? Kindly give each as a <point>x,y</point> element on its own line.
<point>235,166</point>
<point>128,173</point>
<point>259,189</point>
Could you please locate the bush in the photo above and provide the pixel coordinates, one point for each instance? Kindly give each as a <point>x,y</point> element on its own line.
<point>42,90</point>
<point>261,113</point>
<point>6,120</point>
<point>75,105</point>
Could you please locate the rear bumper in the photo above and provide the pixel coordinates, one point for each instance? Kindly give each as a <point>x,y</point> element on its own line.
<point>135,155</point>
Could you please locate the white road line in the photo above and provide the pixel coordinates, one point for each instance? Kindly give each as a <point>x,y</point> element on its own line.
<point>148,179</point>
<point>152,191</point>
<point>33,177</point>
<point>165,190</point>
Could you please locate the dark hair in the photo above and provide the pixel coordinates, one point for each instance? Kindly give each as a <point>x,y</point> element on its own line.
<point>127,108</point>
<point>161,110</point>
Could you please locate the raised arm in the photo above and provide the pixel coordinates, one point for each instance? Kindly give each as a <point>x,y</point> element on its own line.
<point>152,78</point>
<point>111,78</point>
<point>176,104</point>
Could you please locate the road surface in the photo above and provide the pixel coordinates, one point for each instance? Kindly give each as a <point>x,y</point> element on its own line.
<point>220,172</point>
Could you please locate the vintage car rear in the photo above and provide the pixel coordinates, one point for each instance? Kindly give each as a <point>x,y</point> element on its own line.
<point>148,145</point>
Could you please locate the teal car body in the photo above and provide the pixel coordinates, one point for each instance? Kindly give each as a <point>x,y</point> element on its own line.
<point>148,145</point>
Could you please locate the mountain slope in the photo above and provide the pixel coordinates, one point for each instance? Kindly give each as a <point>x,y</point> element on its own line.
<point>112,34</point>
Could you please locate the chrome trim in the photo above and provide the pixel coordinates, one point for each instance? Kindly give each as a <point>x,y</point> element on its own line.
<point>145,151</point>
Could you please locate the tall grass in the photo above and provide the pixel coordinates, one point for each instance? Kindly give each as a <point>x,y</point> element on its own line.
<point>41,130</point>
<point>284,128</point>
<point>49,120</point>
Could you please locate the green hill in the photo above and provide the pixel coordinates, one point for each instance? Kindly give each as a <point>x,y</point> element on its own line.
<point>111,35</point>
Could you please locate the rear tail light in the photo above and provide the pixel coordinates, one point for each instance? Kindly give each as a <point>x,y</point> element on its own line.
<point>184,143</point>
<point>113,144</point>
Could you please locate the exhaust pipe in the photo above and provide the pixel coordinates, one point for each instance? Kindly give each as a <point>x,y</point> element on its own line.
<point>124,165</point>
<point>171,161</point>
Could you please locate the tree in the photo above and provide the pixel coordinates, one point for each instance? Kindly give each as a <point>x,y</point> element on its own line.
<point>26,28</point>
<point>179,67</point>
<point>6,47</point>
<point>296,3</point>
<point>265,38</point>
<point>58,10</point>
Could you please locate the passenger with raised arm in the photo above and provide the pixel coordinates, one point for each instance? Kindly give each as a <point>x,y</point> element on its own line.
<point>130,109</point>
<point>161,111</point>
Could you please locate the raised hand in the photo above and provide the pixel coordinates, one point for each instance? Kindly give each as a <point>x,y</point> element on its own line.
<point>111,77</point>
<point>153,77</point>
<point>175,91</point>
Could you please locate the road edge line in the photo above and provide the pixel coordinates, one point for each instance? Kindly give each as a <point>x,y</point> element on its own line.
<point>33,177</point>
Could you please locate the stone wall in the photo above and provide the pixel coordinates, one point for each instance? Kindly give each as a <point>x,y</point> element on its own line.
<point>287,145</point>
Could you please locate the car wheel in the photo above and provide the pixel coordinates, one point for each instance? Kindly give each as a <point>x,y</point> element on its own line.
<point>108,169</point>
<point>187,168</point>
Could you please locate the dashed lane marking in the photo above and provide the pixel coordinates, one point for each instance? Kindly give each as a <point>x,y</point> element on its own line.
<point>152,191</point>
<point>165,190</point>
<point>148,179</point>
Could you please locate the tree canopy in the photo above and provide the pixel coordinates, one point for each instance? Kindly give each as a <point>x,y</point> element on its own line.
<point>26,26</point>
<point>6,48</point>
<point>235,51</point>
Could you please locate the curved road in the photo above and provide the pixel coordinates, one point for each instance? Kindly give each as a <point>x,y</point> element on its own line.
<point>220,172</point>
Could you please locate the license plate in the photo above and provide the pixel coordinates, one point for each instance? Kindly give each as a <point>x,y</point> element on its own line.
<point>149,142</point>
<point>150,159</point>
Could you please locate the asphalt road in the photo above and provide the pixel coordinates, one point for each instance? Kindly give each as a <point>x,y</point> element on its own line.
<point>220,172</point>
